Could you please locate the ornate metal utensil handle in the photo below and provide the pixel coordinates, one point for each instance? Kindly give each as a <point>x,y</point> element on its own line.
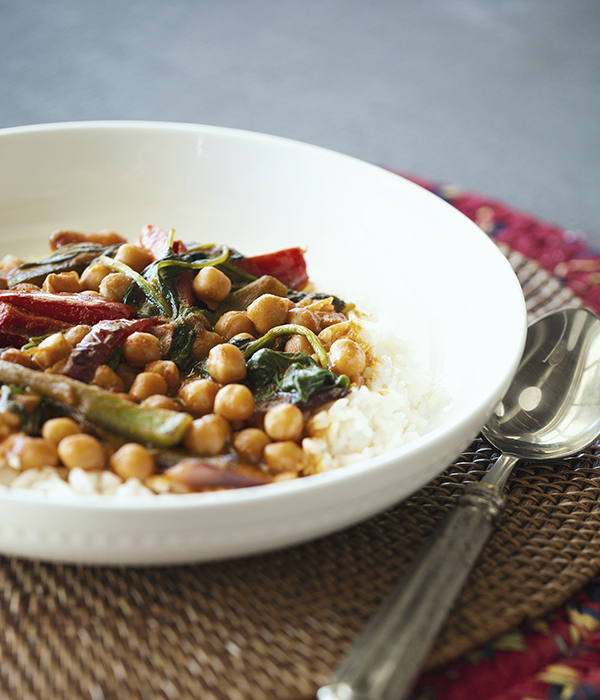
<point>389,654</point>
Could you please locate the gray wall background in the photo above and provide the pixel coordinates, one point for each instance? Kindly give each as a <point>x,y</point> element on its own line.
<point>499,96</point>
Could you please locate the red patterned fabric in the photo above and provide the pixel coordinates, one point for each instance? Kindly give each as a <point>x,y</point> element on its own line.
<point>558,657</point>
<point>566,254</point>
<point>554,658</point>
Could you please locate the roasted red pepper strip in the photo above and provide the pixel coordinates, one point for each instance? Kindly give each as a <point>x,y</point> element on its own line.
<point>16,320</point>
<point>72,308</point>
<point>156,241</point>
<point>62,237</point>
<point>12,340</point>
<point>288,266</point>
<point>97,345</point>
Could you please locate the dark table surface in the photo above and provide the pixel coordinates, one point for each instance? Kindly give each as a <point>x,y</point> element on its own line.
<point>500,97</point>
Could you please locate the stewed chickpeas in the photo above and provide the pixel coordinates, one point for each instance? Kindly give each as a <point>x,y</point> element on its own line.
<point>83,451</point>
<point>133,461</point>
<point>347,357</point>
<point>211,285</point>
<point>194,358</point>
<point>55,429</point>
<point>140,349</point>
<point>207,435</point>
<point>226,364</point>
<point>284,422</point>
<point>234,402</point>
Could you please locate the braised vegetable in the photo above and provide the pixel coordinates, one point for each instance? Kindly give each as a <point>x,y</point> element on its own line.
<point>12,340</point>
<point>288,266</point>
<point>185,366</point>
<point>293,377</point>
<point>158,242</point>
<point>199,474</point>
<point>72,308</point>
<point>159,427</point>
<point>63,238</point>
<point>74,256</point>
<point>240,299</point>
<point>97,345</point>
<point>16,321</point>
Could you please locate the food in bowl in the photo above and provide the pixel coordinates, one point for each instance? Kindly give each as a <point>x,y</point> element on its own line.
<point>168,367</point>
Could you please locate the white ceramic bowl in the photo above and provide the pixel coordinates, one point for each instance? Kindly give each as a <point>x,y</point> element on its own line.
<point>371,236</point>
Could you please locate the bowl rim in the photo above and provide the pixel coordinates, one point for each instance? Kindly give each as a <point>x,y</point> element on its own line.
<point>266,492</point>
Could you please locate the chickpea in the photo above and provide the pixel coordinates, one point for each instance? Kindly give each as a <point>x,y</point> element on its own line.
<point>7,444</point>
<point>51,350</point>
<point>226,364</point>
<point>140,349</point>
<point>132,461</point>
<point>299,343</point>
<point>161,401</point>
<point>234,402</point>
<point>268,311</point>
<point>284,456</point>
<point>250,443</point>
<point>167,370</point>
<point>115,286</point>
<point>147,384</point>
<point>108,379</point>
<point>198,396</point>
<point>11,419</point>
<point>5,430</point>
<point>204,342</point>
<point>303,317</point>
<point>9,262</point>
<point>93,275</point>
<point>347,357</point>
<point>75,335</point>
<point>61,282</point>
<point>31,453</point>
<point>233,323</point>
<point>284,422</point>
<point>210,284</point>
<point>207,435</point>
<point>133,256</point>
<point>55,429</point>
<point>83,451</point>
<point>18,357</point>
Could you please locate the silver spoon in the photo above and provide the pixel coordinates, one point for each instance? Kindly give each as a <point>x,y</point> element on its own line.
<point>551,410</point>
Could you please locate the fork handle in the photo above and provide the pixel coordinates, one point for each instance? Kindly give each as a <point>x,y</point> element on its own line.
<point>385,661</point>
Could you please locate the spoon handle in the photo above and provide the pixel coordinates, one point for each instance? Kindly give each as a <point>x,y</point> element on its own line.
<point>384,662</point>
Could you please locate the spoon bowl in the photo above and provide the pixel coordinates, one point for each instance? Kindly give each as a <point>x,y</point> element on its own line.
<point>551,408</point>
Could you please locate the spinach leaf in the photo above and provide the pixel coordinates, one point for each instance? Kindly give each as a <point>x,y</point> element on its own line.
<point>338,304</point>
<point>158,281</point>
<point>293,377</point>
<point>74,256</point>
<point>180,351</point>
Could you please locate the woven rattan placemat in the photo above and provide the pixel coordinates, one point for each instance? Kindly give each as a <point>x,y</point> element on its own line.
<point>273,626</point>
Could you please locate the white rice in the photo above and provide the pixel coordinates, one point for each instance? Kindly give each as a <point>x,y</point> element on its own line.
<point>76,482</point>
<point>389,410</point>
